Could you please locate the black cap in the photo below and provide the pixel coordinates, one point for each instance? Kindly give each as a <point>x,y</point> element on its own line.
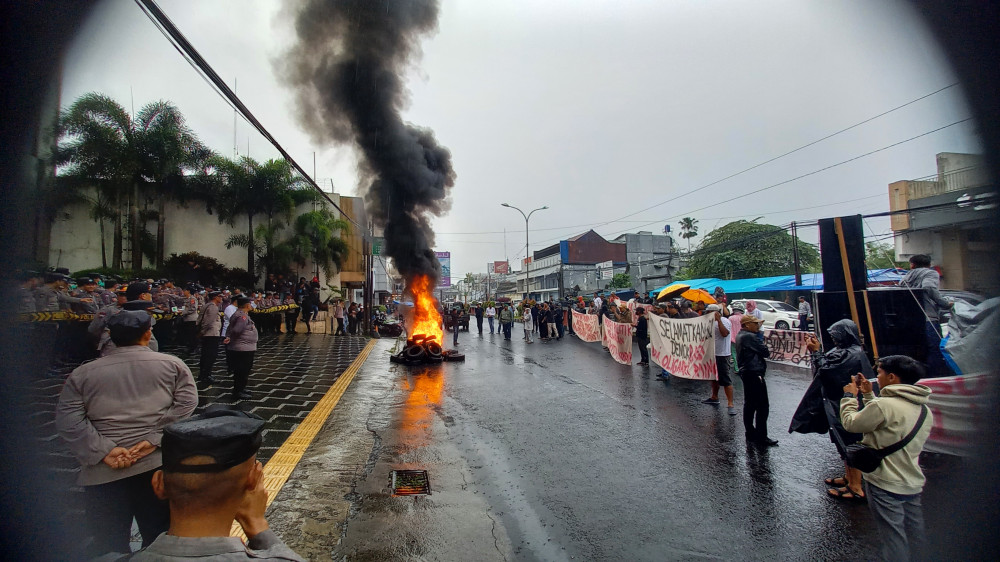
<point>94,275</point>
<point>228,436</point>
<point>129,325</point>
<point>53,276</point>
<point>136,290</point>
<point>214,294</point>
<point>138,305</point>
<point>85,281</point>
<point>63,270</point>
<point>241,301</point>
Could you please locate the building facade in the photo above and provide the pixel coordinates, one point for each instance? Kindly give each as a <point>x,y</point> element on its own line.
<point>946,216</point>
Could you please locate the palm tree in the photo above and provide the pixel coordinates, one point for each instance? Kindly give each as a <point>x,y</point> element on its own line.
<point>103,147</point>
<point>247,187</point>
<point>317,237</point>
<point>689,229</point>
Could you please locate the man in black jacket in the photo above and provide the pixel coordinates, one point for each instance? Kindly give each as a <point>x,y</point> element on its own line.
<point>642,335</point>
<point>751,356</point>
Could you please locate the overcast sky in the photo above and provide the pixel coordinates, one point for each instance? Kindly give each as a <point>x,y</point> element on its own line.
<point>599,109</point>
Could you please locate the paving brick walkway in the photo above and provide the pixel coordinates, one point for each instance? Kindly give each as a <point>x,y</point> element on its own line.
<point>291,373</point>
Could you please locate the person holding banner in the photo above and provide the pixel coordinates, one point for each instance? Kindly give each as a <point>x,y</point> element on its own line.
<point>752,356</point>
<point>723,351</point>
<point>642,337</point>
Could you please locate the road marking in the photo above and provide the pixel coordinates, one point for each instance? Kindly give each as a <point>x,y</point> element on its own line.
<point>280,467</point>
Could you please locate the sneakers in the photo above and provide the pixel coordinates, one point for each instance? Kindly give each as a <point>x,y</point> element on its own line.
<point>712,401</point>
<point>732,410</point>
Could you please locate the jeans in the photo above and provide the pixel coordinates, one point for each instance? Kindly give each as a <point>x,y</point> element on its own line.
<point>490,318</point>
<point>506,329</point>
<point>900,522</point>
<point>110,508</point>
<point>936,367</point>
<point>755,405</point>
<point>804,322</point>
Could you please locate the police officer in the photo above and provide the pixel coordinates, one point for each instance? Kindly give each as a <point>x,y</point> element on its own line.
<point>210,478</point>
<point>87,289</point>
<point>210,332</point>
<point>111,413</point>
<point>53,295</point>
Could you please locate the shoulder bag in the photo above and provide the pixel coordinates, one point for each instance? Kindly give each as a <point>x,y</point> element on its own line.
<point>867,459</point>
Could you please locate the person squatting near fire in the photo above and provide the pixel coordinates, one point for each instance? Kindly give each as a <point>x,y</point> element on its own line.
<point>899,413</point>
<point>211,477</point>
<point>820,408</point>
<point>111,413</point>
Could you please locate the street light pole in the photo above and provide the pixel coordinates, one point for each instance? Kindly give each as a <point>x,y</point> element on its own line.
<point>527,256</point>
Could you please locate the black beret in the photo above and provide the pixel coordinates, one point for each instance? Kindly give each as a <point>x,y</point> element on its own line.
<point>94,275</point>
<point>136,290</point>
<point>241,301</point>
<point>129,325</point>
<point>63,271</point>
<point>228,436</point>
<point>214,294</point>
<point>52,276</point>
<point>85,281</point>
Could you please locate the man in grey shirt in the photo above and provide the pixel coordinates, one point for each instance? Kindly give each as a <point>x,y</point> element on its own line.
<point>111,413</point>
<point>211,477</point>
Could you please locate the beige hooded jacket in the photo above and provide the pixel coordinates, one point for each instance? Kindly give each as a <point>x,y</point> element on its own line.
<point>886,420</point>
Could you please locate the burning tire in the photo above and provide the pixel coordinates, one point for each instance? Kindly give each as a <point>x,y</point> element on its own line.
<point>433,350</point>
<point>415,353</point>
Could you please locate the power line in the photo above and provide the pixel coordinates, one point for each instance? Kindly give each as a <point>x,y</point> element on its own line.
<point>177,39</point>
<point>755,166</point>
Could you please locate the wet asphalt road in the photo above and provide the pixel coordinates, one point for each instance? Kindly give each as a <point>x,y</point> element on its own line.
<point>589,459</point>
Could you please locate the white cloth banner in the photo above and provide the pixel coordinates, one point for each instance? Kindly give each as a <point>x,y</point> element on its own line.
<point>961,406</point>
<point>618,339</point>
<point>788,347</point>
<point>685,347</point>
<point>585,326</point>
<point>633,306</point>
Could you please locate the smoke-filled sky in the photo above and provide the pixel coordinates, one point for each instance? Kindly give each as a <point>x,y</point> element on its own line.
<point>601,110</point>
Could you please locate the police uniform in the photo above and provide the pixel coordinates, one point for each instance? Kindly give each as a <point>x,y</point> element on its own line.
<point>229,438</point>
<point>118,402</point>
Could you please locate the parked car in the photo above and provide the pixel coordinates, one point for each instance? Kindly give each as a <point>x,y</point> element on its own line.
<point>777,315</point>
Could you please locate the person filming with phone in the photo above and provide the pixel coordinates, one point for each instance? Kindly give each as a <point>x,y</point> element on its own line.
<point>898,422</point>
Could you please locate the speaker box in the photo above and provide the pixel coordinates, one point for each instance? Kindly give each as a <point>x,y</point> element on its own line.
<point>833,262</point>
<point>897,319</point>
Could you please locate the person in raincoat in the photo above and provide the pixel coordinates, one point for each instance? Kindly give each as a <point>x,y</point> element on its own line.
<point>819,410</point>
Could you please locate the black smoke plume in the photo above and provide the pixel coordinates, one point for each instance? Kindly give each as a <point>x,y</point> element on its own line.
<point>347,67</point>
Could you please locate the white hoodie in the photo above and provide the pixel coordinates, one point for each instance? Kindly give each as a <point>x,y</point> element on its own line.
<point>887,420</point>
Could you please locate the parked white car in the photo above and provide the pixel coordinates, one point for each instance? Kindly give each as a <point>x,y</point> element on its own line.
<point>777,315</point>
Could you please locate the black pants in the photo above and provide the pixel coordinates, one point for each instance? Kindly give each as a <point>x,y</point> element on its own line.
<point>290,320</point>
<point>209,353</point>
<point>755,404</point>
<point>111,507</point>
<point>189,335</point>
<point>340,327</point>
<point>804,322</point>
<point>643,352</point>
<point>506,330</point>
<point>479,324</point>
<point>241,363</point>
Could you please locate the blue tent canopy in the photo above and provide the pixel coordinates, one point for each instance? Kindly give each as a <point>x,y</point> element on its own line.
<point>810,282</point>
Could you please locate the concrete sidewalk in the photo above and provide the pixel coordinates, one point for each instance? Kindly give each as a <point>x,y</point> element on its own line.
<point>337,502</point>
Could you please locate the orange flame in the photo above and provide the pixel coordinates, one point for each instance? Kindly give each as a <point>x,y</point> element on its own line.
<point>426,318</point>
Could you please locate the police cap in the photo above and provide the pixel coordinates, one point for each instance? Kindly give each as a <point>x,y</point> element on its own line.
<point>85,281</point>
<point>229,437</point>
<point>136,290</point>
<point>128,326</point>
<point>139,305</point>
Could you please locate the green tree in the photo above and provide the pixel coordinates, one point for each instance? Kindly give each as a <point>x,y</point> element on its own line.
<point>746,249</point>
<point>881,255</point>
<point>620,281</point>
<point>689,229</point>
<point>318,237</point>
<point>247,187</point>
<point>103,147</point>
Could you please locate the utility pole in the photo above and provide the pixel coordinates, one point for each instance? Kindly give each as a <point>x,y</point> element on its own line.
<point>795,254</point>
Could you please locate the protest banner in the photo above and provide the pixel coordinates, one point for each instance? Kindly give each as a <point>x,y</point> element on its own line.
<point>633,306</point>
<point>685,347</point>
<point>585,326</point>
<point>788,347</point>
<point>618,339</point>
<point>961,408</point>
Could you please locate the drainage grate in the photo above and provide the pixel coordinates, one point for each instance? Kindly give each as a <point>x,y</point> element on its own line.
<point>410,483</point>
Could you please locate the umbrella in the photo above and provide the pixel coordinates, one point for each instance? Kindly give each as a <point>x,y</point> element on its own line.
<point>671,291</point>
<point>698,295</point>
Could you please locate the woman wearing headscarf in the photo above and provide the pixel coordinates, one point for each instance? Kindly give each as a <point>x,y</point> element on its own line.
<point>819,410</point>
<point>752,309</point>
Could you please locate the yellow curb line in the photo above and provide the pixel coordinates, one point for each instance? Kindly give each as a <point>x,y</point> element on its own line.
<point>279,468</point>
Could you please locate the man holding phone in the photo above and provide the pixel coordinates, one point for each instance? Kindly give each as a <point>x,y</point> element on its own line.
<point>894,488</point>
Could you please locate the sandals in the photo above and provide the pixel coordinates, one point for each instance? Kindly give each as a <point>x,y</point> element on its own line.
<point>846,494</point>
<point>837,481</point>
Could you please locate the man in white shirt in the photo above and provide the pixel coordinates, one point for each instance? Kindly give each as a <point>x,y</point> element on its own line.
<point>490,314</point>
<point>723,351</point>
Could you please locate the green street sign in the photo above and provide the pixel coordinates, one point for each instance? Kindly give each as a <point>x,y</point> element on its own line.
<point>377,246</point>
